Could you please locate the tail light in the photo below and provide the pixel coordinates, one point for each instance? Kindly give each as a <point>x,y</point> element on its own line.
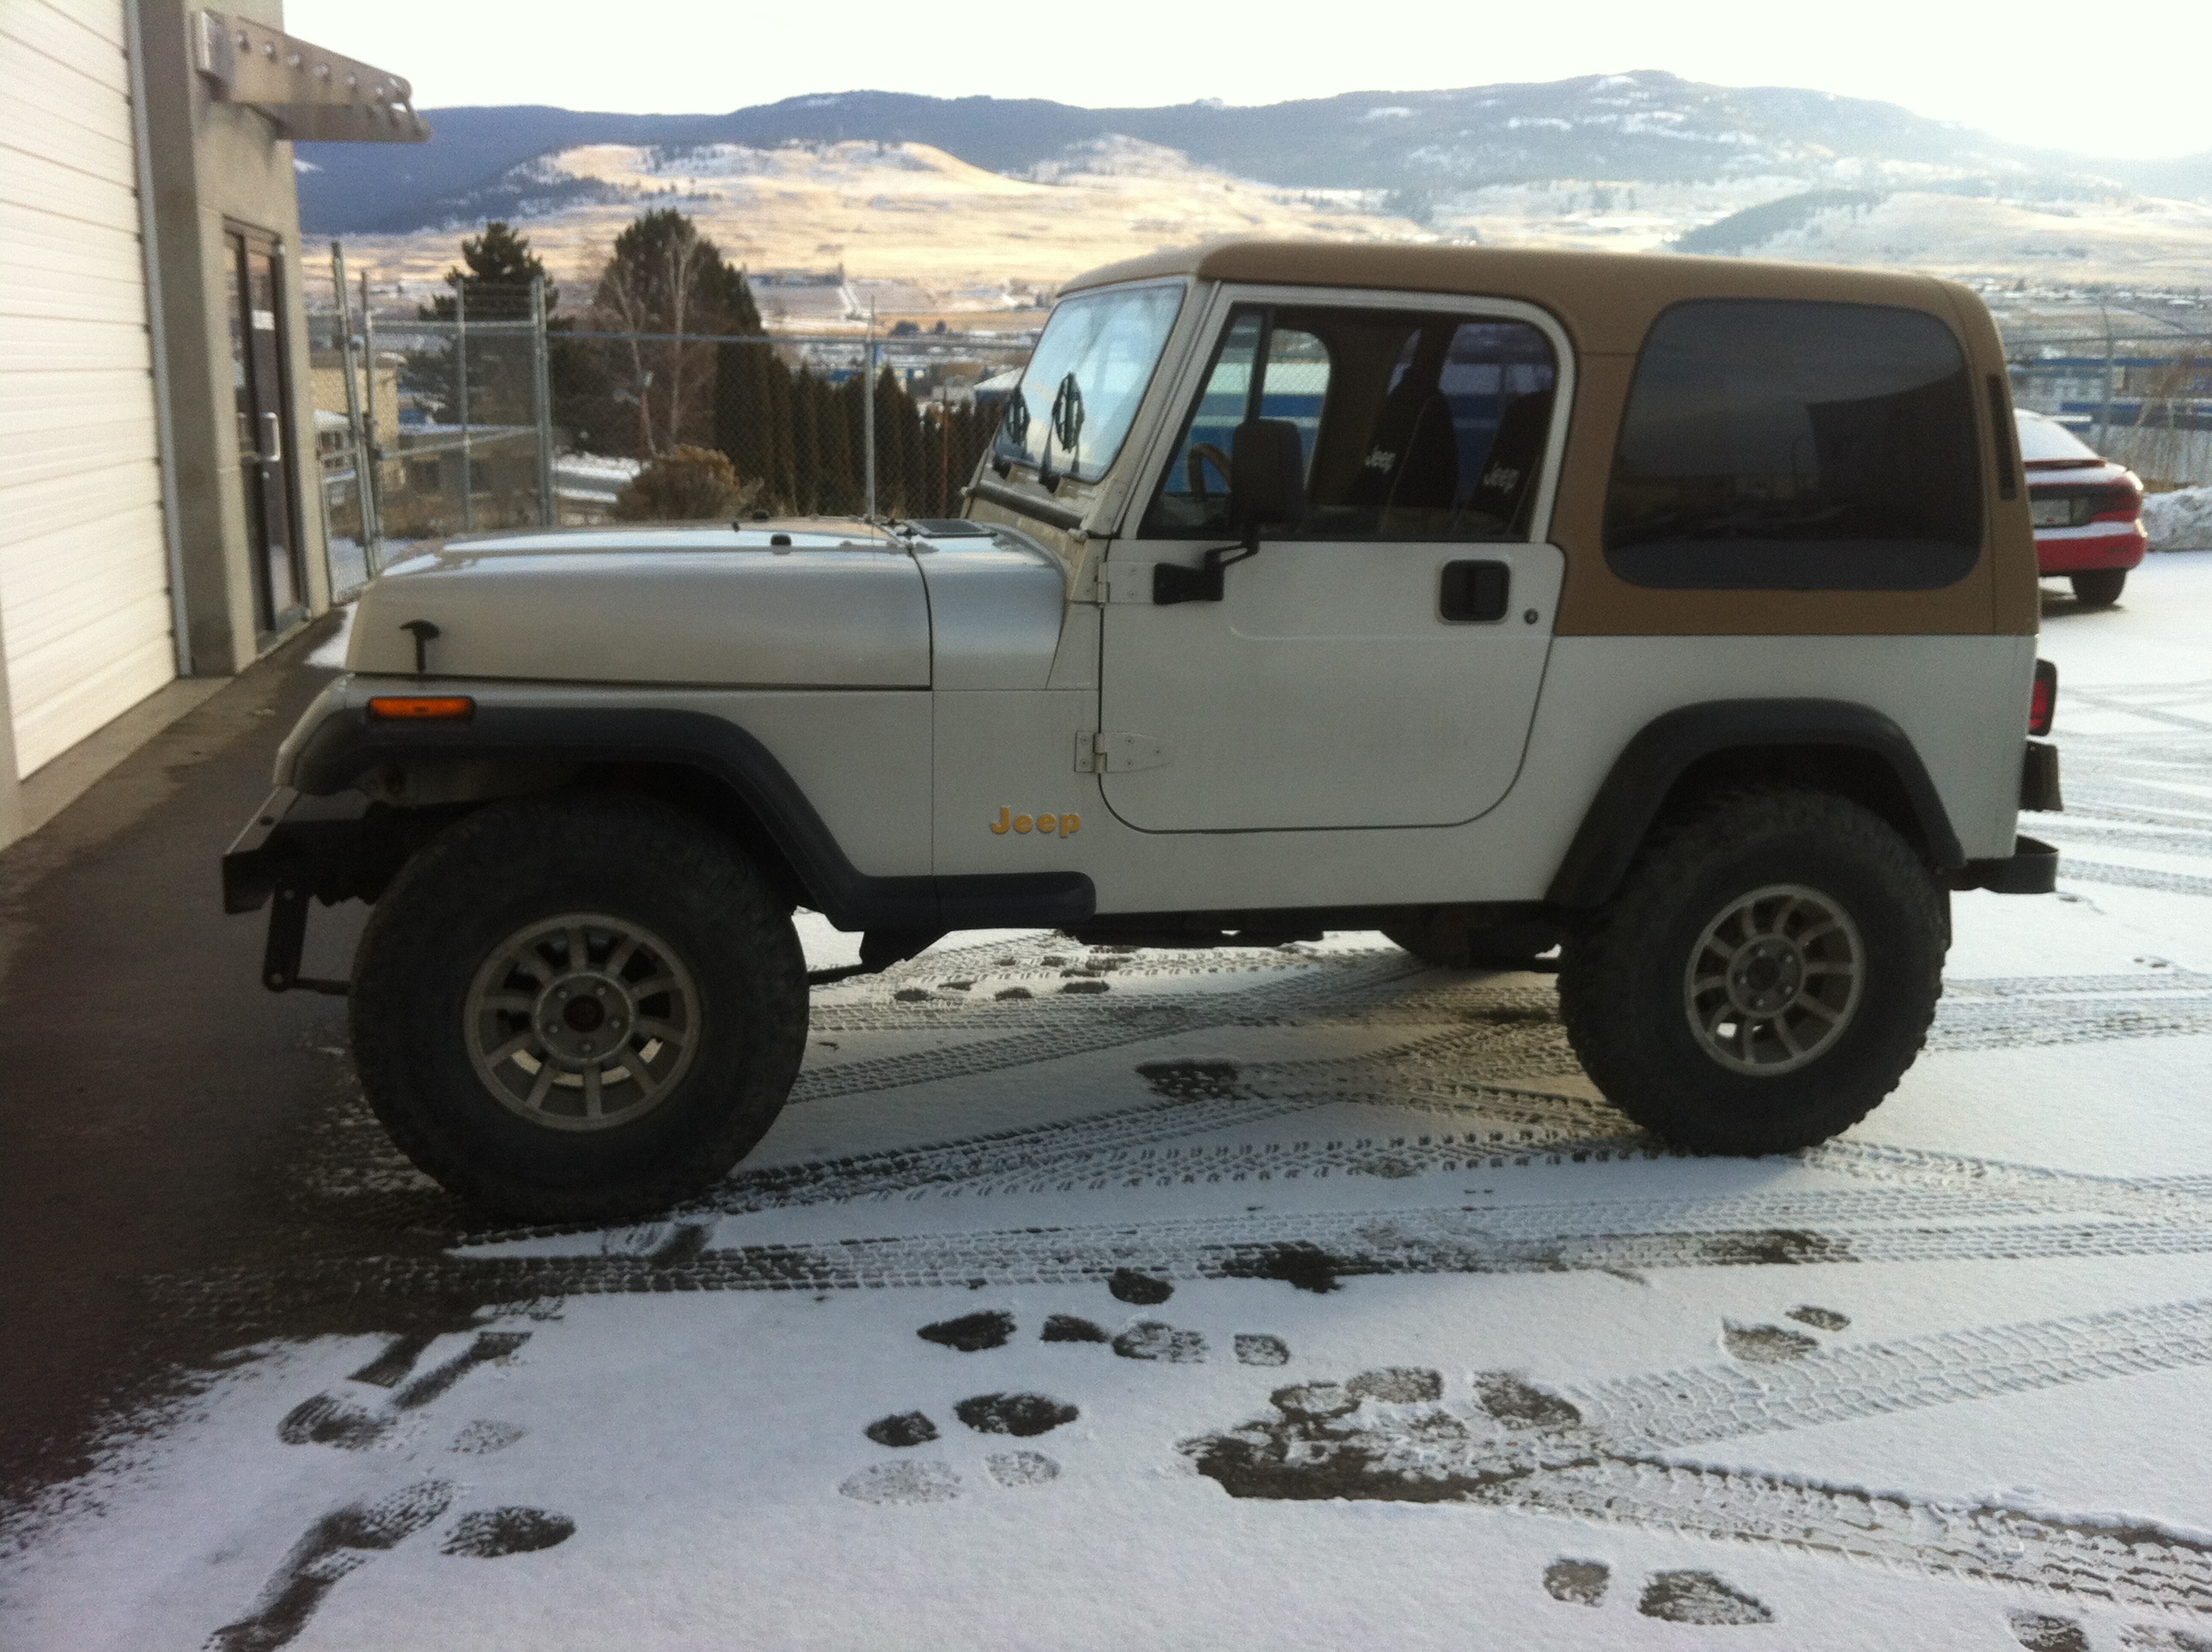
<point>2043,701</point>
<point>2122,502</point>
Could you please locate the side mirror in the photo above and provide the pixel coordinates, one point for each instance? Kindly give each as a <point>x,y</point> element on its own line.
<point>1267,488</point>
<point>1267,477</point>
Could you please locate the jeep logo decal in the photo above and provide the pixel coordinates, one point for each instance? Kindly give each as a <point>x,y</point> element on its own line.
<point>1066,825</point>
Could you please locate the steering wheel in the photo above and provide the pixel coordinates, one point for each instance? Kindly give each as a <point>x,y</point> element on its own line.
<point>1194,463</point>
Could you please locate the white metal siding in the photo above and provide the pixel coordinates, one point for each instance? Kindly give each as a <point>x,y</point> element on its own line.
<point>84,604</point>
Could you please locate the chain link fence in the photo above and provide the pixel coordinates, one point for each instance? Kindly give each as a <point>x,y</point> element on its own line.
<point>489,415</point>
<point>2144,400</point>
<point>487,412</point>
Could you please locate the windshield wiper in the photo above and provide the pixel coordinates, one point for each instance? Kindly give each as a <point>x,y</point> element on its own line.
<point>1067,518</point>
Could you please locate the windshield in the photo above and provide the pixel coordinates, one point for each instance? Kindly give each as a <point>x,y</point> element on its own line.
<point>1078,395</point>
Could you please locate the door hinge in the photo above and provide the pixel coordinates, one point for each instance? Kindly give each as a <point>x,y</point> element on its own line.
<point>1116,753</point>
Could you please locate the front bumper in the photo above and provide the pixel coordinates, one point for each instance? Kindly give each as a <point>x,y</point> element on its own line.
<point>293,849</point>
<point>310,843</point>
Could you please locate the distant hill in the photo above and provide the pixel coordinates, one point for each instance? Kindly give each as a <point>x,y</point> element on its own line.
<point>1643,128</point>
<point>1755,228</point>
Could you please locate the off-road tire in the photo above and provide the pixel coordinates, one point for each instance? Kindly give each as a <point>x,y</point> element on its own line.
<point>2098,587</point>
<point>1624,980</point>
<point>1435,937</point>
<point>509,866</point>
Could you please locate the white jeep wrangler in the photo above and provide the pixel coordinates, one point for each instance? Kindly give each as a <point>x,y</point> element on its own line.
<point>1678,613</point>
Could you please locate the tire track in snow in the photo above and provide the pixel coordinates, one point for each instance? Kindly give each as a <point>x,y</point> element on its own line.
<point>1590,1453</point>
<point>1316,1251</point>
<point>1124,1022</point>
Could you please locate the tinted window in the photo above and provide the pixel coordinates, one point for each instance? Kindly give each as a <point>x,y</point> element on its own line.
<point>1776,445</point>
<point>1079,392</point>
<point>1414,426</point>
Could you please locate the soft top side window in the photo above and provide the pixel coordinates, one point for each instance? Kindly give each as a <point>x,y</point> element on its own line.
<point>1791,445</point>
<point>1414,424</point>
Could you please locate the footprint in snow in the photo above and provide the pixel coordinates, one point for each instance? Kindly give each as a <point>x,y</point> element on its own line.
<point>481,1438</point>
<point>1026,1415</point>
<point>2041,1632</point>
<point>491,1533</point>
<point>326,1419</point>
<point>1018,1414</point>
<point>1139,1290</point>
<point>971,1333</point>
<point>1698,1597</point>
<point>1577,1583</point>
<point>339,1542</point>
<point>902,1483</point>
<point>1770,1345</point>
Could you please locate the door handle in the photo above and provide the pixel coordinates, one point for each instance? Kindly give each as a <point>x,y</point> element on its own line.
<point>1472,592</point>
<point>272,439</point>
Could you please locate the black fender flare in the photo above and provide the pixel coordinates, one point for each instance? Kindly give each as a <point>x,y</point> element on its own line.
<point>348,746</point>
<point>1662,752</point>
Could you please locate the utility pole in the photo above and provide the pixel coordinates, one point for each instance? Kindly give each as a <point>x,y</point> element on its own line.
<point>356,428</point>
<point>541,394</point>
<point>461,351</point>
<point>868,414</point>
<point>2105,415</point>
<point>373,456</point>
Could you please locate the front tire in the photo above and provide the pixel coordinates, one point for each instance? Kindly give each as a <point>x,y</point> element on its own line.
<point>2099,587</point>
<point>1767,971</point>
<point>578,1008</point>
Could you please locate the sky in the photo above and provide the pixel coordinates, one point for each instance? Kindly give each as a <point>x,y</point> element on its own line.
<point>2125,81</point>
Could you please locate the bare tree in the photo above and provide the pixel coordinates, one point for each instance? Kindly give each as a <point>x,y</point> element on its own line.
<point>665,278</point>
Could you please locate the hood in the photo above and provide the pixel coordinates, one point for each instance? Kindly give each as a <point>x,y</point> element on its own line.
<point>839,605</point>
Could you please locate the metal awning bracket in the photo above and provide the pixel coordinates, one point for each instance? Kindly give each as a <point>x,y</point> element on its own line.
<point>309,92</point>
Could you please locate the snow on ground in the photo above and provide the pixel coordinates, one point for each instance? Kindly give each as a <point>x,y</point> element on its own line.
<point>1299,1298</point>
<point>2179,520</point>
<point>330,655</point>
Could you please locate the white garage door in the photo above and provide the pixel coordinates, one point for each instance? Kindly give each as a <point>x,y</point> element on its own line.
<point>84,603</point>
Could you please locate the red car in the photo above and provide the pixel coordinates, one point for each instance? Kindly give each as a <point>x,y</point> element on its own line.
<point>2088,510</point>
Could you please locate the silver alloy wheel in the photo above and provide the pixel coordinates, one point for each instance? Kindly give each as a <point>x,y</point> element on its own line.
<point>1774,979</point>
<point>582,1022</point>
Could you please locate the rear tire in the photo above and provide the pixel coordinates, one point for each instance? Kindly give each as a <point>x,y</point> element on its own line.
<point>578,1008</point>
<point>2099,587</point>
<point>1764,975</point>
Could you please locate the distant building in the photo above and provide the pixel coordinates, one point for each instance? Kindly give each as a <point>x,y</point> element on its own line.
<point>789,296</point>
<point>157,512</point>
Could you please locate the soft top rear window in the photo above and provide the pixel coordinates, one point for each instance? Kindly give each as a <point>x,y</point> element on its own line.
<point>1779,444</point>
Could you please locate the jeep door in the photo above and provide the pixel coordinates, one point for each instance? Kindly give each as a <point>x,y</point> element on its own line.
<point>1378,663</point>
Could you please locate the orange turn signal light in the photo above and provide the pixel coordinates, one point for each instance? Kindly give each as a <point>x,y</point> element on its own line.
<point>421,708</point>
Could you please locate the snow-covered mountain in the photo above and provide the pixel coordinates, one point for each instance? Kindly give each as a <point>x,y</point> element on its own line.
<point>1645,128</point>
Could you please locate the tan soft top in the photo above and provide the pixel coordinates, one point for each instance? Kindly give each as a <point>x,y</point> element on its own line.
<point>1607,301</point>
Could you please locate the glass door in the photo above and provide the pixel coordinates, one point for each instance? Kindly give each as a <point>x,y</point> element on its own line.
<point>257,368</point>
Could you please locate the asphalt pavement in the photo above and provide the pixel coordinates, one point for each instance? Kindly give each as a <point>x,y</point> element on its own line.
<point>154,1096</point>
